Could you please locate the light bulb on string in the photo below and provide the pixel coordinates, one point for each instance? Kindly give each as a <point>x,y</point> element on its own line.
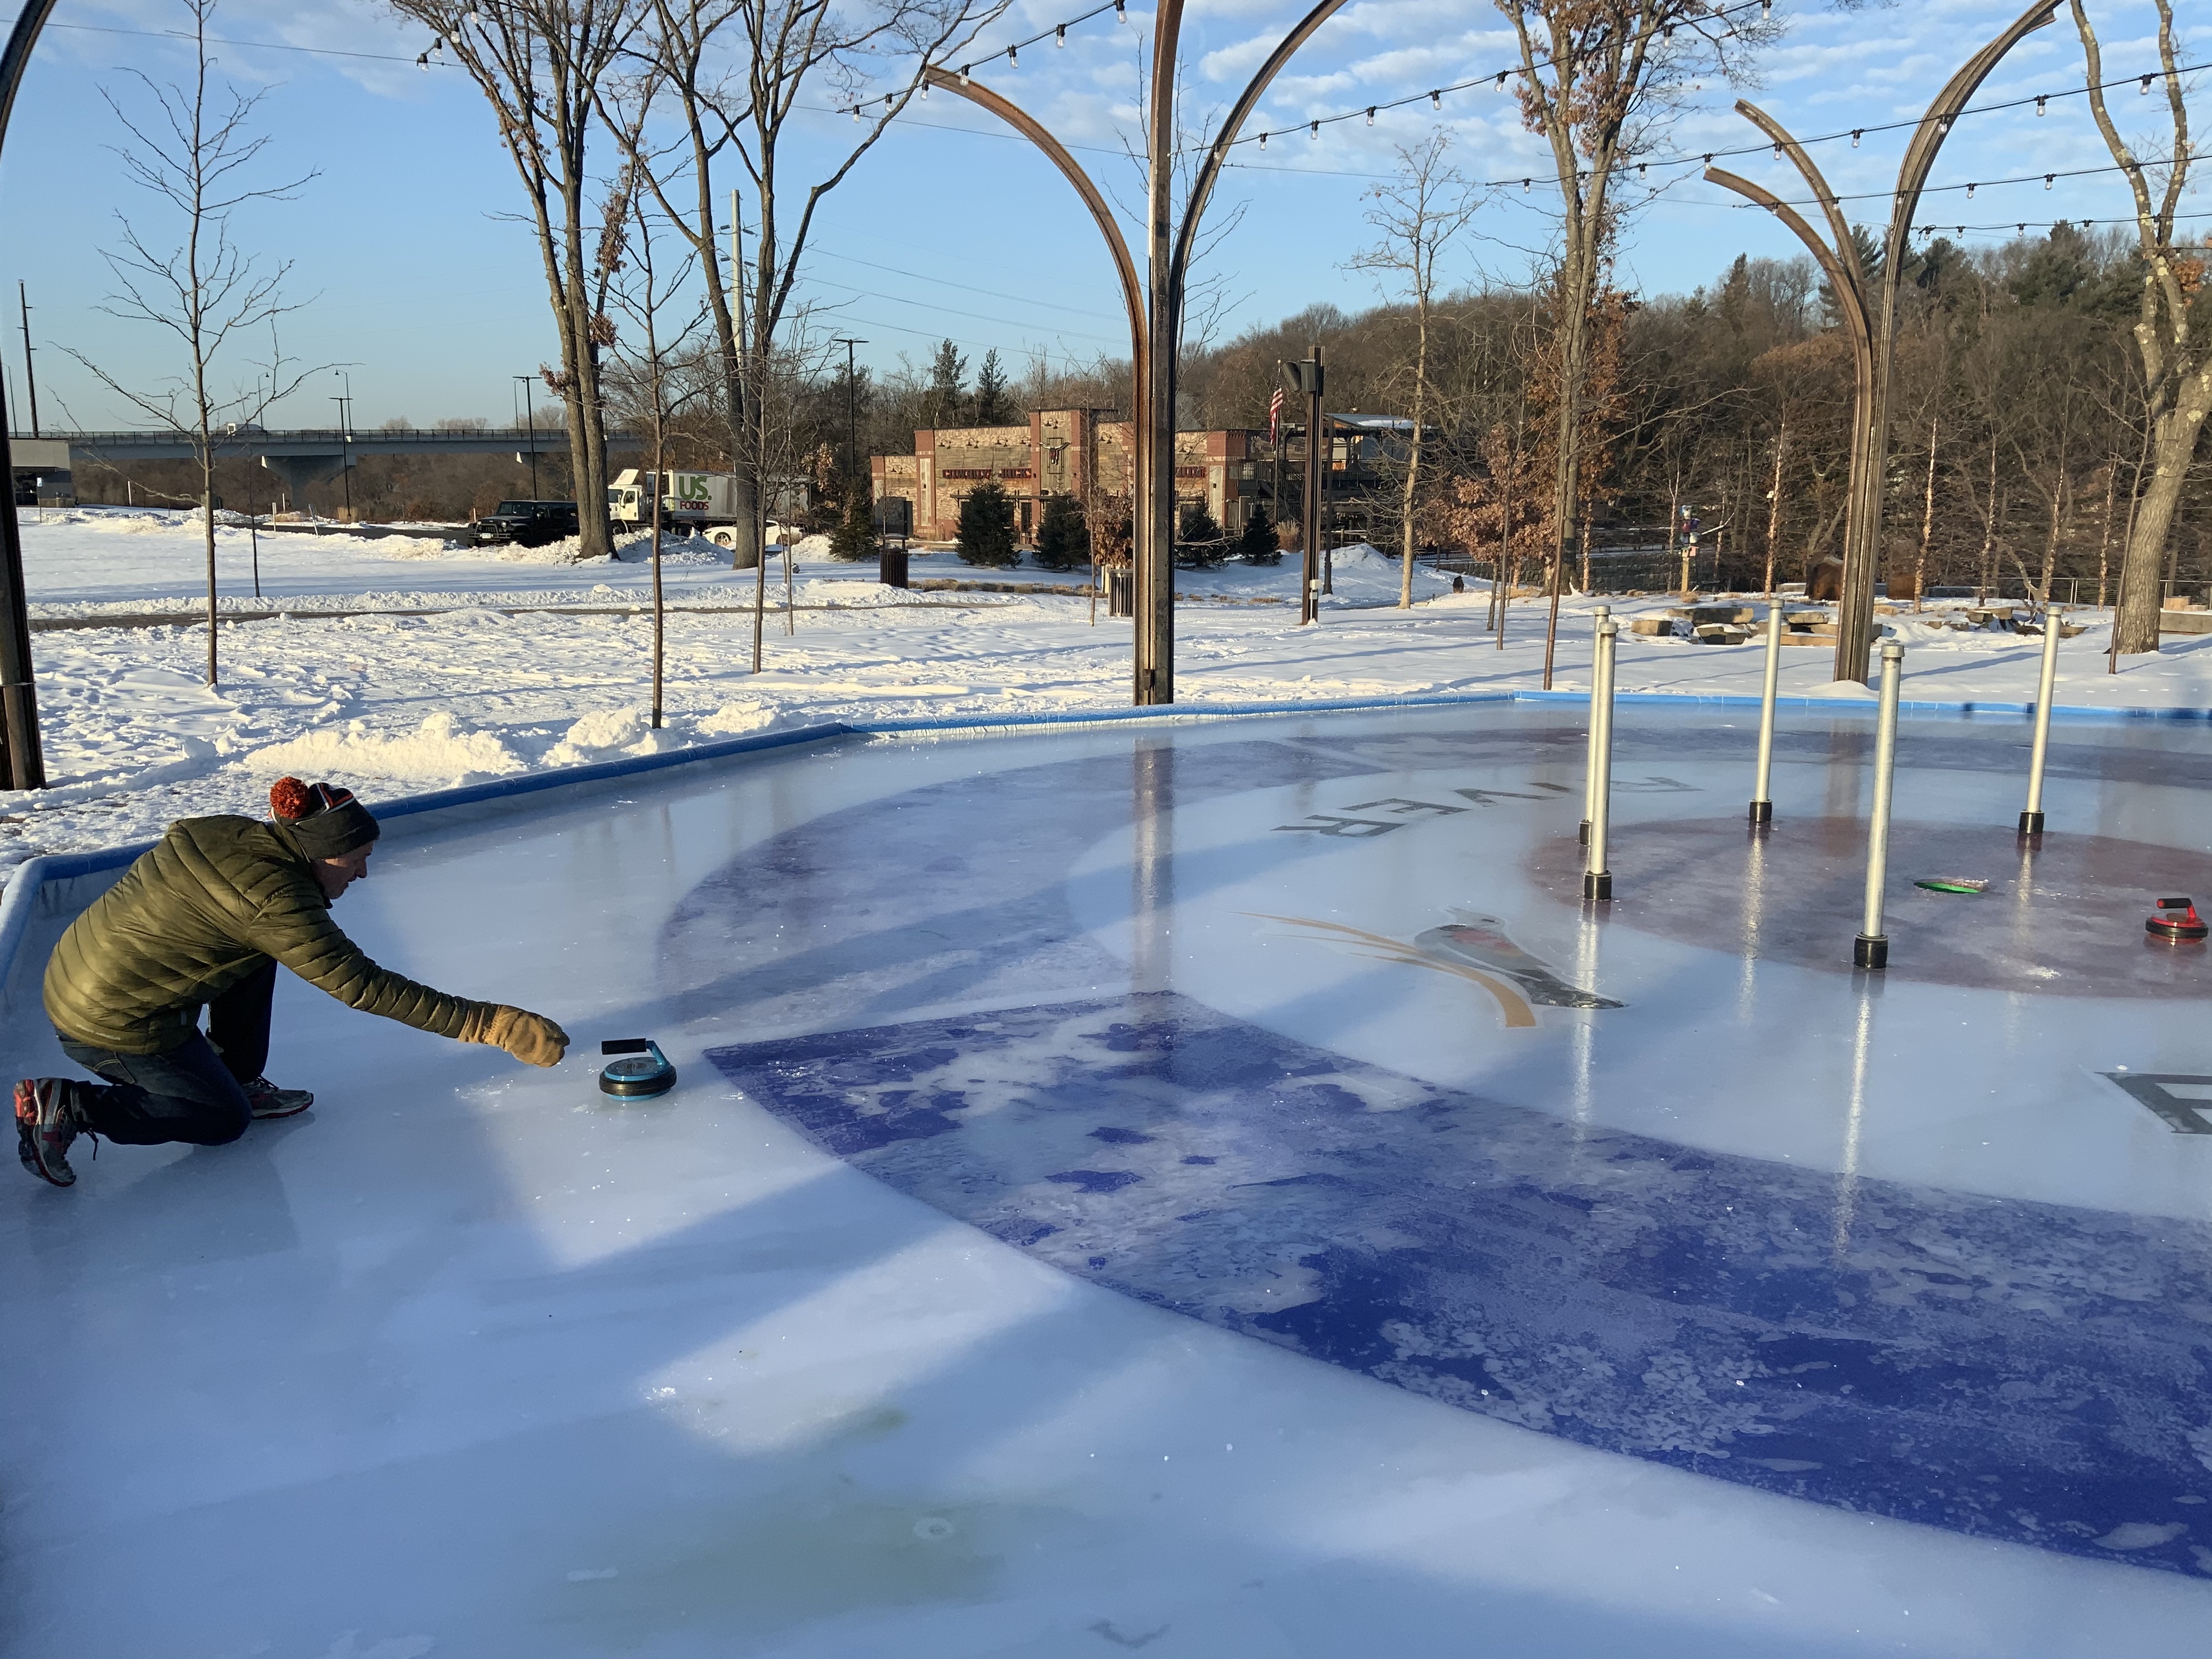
<point>1013,56</point>
<point>1502,74</point>
<point>964,68</point>
<point>1436,99</point>
<point>2022,229</point>
<point>1263,141</point>
<point>2143,91</point>
<point>1371,115</point>
<point>856,112</point>
<point>1766,7</point>
<point>2041,101</point>
<point>1120,12</point>
<point>925,92</point>
<point>1643,169</point>
<point>1970,192</point>
<point>2047,178</point>
<point>1777,150</point>
<point>1059,35</point>
<point>1524,187</point>
<point>1858,133</point>
<point>1943,128</point>
<point>1314,132</point>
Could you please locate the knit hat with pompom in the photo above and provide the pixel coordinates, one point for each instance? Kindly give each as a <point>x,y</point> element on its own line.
<point>326,821</point>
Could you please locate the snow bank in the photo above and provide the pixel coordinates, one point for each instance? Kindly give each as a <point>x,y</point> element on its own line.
<point>437,752</point>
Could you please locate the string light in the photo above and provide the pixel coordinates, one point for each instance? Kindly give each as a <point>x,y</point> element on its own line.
<point>2047,178</point>
<point>1524,187</point>
<point>1013,56</point>
<point>2143,91</point>
<point>1263,141</point>
<point>1316,131</point>
<point>1501,79</point>
<point>1436,100</point>
<point>1371,115</point>
<point>1120,12</point>
<point>2041,101</point>
<point>1059,35</point>
<point>1970,192</point>
<point>1858,133</point>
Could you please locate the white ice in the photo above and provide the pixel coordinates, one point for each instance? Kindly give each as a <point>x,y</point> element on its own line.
<point>472,1361</point>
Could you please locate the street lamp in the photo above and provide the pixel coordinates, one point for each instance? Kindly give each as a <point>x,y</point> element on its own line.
<point>345,438</point>
<point>530,422</point>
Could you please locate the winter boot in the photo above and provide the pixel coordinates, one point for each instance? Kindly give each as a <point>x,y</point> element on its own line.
<point>267,1100</point>
<point>47,1122</point>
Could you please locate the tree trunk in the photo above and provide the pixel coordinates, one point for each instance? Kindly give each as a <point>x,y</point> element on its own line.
<point>2173,445</point>
<point>1414,450</point>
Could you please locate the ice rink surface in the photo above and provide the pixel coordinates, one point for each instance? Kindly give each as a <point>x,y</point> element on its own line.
<point>1208,1188</point>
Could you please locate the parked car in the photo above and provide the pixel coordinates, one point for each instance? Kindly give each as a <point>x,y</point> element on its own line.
<point>527,524</point>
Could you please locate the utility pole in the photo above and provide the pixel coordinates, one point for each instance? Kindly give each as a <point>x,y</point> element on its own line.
<point>529,425</point>
<point>30,374</point>
<point>852,420</point>
<point>345,456</point>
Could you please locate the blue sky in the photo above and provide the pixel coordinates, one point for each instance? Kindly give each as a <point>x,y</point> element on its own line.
<point>411,273</point>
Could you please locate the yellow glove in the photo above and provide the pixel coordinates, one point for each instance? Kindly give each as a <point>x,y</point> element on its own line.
<point>532,1038</point>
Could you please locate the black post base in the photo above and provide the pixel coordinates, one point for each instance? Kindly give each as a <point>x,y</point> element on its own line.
<point>1762,812</point>
<point>1870,950</point>
<point>1597,885</point>
<point>1584,840</point>
<point>2031,823</point>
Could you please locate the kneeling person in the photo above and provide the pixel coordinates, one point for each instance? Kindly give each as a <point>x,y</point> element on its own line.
<point>202,920</point>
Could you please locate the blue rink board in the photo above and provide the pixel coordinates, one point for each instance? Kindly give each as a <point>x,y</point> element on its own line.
<point>2007,1370</point>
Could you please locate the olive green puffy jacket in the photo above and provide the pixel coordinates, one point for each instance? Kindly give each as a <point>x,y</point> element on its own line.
<point>207,907</point>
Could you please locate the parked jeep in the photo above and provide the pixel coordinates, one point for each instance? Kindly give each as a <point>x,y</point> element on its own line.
<point>527,524</point>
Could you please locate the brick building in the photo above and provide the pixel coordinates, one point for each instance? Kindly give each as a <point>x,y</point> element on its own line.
<point>1059,451</point>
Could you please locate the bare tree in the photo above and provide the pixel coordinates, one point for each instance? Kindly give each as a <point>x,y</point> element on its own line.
<point>2168,332</point>
<point>1418,213</point>
<point>649,374</point>
<point>194,151</point>
<point>737,74</point>
<point>539,64</point>
<point>1597,78</point>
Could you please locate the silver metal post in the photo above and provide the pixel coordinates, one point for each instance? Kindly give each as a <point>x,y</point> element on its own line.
<point>1589,762</point>
<point>2031,821</point>
<point>1762,802</point>
<point>1871,949</point>
<point>1597,879</point>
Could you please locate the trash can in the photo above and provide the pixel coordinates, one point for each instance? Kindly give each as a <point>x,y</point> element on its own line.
<point>1121,590</point>
<point>890,566</point>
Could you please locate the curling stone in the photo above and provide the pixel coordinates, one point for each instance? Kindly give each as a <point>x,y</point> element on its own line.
<point>644,1071</point>
<point>2177,920</point>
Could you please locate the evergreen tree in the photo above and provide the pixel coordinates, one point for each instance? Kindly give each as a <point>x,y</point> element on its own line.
<point>986,527</point>
<point>993,406</point>
<point>1260,544</point>
<point>1063,541</point>
<point>854,538</point>
<point>1201,545</point>
<point>948,378</point>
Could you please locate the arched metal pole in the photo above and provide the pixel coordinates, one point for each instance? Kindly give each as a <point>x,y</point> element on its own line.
<point>1155,310</point>
<point>1133,291</point>
<point>1877,315</point>
<point>19,699</point>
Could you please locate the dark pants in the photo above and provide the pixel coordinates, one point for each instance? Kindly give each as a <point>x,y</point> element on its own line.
<point>190,1093</point>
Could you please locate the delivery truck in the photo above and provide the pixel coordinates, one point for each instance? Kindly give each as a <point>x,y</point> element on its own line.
<point>704,503</point>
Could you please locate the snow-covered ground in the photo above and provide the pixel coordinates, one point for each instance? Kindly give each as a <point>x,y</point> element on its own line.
<point>398,704</point>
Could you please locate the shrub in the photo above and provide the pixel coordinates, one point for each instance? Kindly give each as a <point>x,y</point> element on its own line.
<point>986,536</point>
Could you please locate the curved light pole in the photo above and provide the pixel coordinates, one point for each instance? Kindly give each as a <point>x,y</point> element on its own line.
<point>1156,311</point>
<point>19,699</point>
<point>1871,319</point>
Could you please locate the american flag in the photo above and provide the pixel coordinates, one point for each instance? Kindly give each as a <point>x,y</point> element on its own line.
<point>1275,415</point>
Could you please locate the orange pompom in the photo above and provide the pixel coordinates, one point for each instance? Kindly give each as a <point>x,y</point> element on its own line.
<point>289,798</point>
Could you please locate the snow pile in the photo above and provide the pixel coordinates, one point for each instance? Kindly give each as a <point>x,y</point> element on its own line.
<point>438,752</point>
<point>609,732</point>
<point>736,720</point>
